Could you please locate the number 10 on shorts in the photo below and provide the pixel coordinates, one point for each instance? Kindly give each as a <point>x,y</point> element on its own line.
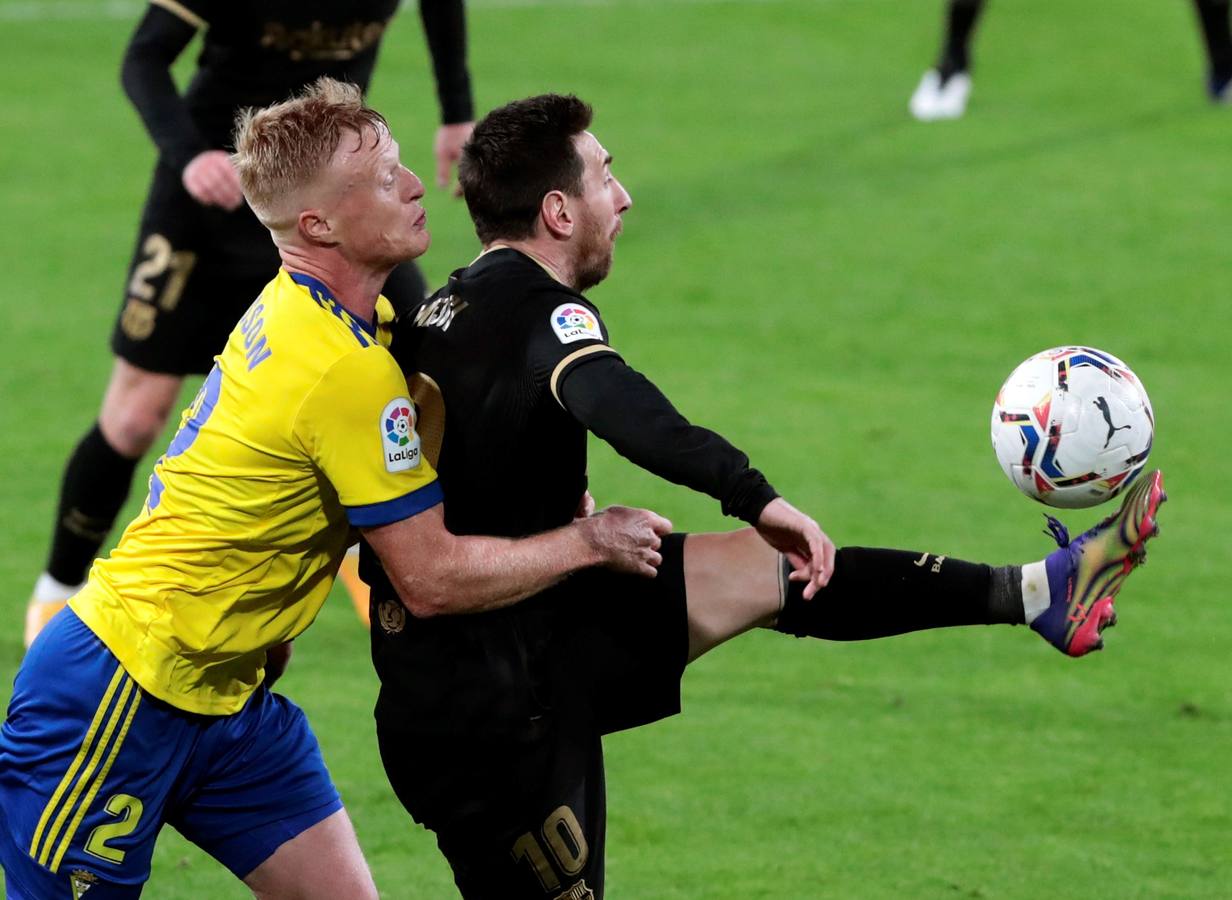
<point>563,839</point>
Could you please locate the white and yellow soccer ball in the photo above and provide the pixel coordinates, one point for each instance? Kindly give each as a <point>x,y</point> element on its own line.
<point>1072,427</point>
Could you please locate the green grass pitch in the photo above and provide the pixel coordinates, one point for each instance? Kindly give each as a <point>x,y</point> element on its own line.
<point>840,291</point>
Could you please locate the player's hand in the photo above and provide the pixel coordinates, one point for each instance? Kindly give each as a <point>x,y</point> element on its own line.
<point>585,507</point>
<point>801,540</point>
<point>211,180</point>
<point>627,539</point>
<point>448,150</point>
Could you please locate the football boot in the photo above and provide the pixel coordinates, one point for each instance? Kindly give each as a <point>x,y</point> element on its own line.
<point>1085,574</point>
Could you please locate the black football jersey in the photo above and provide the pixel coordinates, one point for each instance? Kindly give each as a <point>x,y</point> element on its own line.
<point>255,54</point>
<point>484,356</point>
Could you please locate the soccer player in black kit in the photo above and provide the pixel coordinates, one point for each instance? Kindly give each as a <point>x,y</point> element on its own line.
<point>201,255</point>
<point>491,725</point>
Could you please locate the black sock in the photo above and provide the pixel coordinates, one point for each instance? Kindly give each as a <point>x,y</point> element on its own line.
<point>96,483</point>
<point>1213,16</point>
<point>876,593</point>
<point>959,24</point>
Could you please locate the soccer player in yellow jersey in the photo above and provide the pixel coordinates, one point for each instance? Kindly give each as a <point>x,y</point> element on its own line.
<point>144,702</point>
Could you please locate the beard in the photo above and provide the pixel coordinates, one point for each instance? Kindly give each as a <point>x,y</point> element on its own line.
<point>594,257</point>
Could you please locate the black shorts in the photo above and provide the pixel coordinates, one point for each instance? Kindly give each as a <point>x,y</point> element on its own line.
<point>500,752</point>
<point>195,270</point>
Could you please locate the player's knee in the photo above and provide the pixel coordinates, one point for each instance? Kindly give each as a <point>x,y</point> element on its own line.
<point>131,429</point>
<point>136,408</point>
<point>732,583</point>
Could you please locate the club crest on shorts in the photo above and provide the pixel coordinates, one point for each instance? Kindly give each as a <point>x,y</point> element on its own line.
<point>399,442</point>
<point>392,616</point>
<point>81,881</point>
<point>573,322</point>
<point>577,891</point>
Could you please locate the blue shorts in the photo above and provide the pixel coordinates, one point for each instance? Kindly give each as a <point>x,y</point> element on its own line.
<point>91,767</point>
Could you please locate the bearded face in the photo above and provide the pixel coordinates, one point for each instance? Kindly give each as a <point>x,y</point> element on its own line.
<point>598,213</point>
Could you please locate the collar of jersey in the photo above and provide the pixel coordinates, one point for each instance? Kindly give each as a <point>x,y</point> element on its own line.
<point>321,293</point>
<point>498,246</point>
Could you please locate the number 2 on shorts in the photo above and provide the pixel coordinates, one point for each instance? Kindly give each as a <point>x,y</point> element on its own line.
<point>128,809</point>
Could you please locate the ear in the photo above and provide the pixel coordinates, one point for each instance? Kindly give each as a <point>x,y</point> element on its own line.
<point>315,228</point>
<point>556,216</point>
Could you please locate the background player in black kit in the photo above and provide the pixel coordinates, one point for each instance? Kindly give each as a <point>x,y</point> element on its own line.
<point>201,255</point>
<point>490,725</point>
<point>943,91</point>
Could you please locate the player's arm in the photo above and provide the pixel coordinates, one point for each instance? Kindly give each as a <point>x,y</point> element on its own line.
<point>444,24</point>
<point>620,405</point>
<point>160,37</point>
<point>162,34</point>
<point>357,427</point>
<point>439,573</point>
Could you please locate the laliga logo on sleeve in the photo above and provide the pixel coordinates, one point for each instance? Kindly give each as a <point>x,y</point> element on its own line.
<point>399,442</point>
<point>575,323</point>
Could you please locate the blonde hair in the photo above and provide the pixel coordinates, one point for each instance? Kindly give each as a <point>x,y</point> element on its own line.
<point>281,148</point>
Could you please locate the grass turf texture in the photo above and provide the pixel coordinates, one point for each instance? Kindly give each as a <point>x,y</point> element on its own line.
<point>840,291</point>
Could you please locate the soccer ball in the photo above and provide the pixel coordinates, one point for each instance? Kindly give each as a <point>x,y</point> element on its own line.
<point>1072,427</point>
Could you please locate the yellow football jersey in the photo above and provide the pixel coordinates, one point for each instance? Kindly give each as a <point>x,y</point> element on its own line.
<point>301,431</point>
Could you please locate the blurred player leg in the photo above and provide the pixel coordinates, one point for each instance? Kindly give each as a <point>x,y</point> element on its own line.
<point>96,483</point>
<point>191,276</point>
<point>943,91</point>
<point>1213,17</point>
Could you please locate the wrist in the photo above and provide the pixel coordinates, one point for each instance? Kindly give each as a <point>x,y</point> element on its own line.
<point>586,548</point>
<point>756,505</point>
<point>179,156</point>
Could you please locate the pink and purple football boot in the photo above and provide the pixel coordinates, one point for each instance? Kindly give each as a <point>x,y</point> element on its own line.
<point>1085,574</point>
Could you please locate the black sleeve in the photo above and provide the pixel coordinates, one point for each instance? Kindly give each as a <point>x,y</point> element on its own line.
<point>444,23</point>
<point>620,405</point>
<point>146,76</point>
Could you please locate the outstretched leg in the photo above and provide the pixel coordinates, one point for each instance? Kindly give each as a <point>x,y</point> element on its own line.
<point>734,582</point>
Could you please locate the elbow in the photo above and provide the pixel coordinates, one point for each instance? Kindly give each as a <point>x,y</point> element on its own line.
<point>134,74</point>
<point>127,76</point>
<point>143,64</point>
<point>422,606</point>
<point>424,598</point>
